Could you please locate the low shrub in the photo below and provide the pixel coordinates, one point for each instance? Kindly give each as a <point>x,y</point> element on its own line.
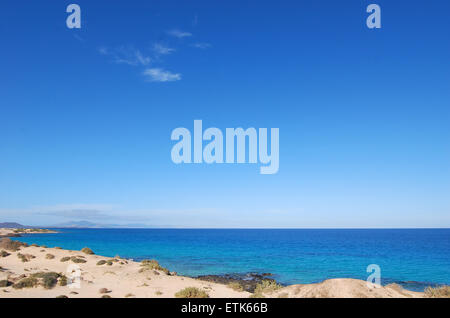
<point>236,286</point>
<point>77,260</point>
<point>65,259</point>
<point>438,292</point>
<point>265,286</point>
<point>4,253</point>
<point>47,279</point>
<point>152,265</point>
<point>25,257</point>
<point>101,262</point>
<point>63,280</point>
<point>49,256</point>
<point>27,282</point>
<point>87,250</point>
<point>191,292</point>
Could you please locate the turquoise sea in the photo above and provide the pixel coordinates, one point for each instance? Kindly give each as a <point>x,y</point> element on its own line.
<point>415,258</point>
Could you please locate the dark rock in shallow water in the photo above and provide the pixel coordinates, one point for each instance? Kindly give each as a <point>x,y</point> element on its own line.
<point>247,281</point>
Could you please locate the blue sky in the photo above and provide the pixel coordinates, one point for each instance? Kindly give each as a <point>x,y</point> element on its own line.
<point>86,115</point>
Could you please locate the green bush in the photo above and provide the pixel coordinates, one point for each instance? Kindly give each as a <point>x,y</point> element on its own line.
<point>49,256</point>
<point>87,250</point>
<point>48,279</point>
<point>25,257</point>
<point>101,262</point>
<point>235,286</point>
<point>4,253</point>
<point>65,259</point>
<point>152,265</point>
<point>63,280</point>
<point>77,260</point>
<point>191,292</point>
<point>265,286</point>
<point>27,282</point>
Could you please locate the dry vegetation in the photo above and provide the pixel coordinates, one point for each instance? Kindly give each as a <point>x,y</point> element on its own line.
<point>4,253</point>
<point>438,292</point>
<point>235,286</point>
<point>87,250</point>
<point>10,245</point>
<point>152,265</point>
<point>77,259</point>
<point>25,257</point>
<point>191,292</point>
<point>265,287</point>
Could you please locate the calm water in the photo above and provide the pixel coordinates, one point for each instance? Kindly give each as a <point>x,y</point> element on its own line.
<point>415,258</point>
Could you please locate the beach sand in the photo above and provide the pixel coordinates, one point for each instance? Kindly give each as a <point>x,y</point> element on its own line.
<point>119,278</point>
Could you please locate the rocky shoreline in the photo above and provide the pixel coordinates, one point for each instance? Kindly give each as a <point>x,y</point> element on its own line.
<point>248,282</point>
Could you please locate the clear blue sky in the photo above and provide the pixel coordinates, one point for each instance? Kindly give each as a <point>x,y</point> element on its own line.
<point>86,115</point>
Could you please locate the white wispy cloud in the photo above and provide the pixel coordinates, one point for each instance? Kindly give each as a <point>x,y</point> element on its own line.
<point>179,34</point>
<point>160,75</point>
<point>126,55</point>
<point>161,49</point>
<point>201,45</point>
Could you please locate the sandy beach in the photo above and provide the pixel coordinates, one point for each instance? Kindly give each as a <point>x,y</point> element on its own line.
<point>40,271</point>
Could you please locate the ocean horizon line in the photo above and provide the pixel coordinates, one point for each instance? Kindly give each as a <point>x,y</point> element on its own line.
<point>248,228</point>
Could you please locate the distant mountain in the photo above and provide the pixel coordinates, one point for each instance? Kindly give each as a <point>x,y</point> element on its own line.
<point>13,225</point>
<point>80,224</point>
<point>91,225</point>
